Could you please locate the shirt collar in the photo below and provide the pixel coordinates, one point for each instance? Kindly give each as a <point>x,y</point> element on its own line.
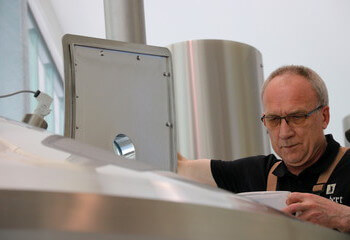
<point>318,167</point>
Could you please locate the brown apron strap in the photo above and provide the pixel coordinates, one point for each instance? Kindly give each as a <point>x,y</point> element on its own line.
<point>271,178</point>
<point>323,178</point>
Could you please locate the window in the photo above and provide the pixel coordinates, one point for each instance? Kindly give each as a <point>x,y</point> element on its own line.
<point>26,63</point>
<point>43,75</point>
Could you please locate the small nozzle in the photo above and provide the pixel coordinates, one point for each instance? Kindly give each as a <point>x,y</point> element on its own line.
<point>43,108</point>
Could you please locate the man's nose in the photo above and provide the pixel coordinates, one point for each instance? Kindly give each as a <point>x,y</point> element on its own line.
<point>285,131</point>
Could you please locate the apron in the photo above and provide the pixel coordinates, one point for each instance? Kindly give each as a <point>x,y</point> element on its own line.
<point>322,179</point>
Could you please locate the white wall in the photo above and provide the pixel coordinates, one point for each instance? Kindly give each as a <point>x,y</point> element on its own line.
<point>83,17</point>
<point>314,33</point>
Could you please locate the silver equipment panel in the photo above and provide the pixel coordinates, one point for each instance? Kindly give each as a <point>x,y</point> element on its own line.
<point>119,97</point>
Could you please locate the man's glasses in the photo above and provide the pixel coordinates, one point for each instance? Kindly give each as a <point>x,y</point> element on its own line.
<point>272,121</point>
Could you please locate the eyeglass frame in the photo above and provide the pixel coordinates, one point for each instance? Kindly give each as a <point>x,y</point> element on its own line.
<point>285,117</point>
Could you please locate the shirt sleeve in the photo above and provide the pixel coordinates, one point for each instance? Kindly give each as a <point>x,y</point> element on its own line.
<point>242,175</point>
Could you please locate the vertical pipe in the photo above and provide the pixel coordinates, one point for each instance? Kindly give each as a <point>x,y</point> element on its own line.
<point>125,20</point>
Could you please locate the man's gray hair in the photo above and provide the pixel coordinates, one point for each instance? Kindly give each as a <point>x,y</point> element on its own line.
<point>310,75</point>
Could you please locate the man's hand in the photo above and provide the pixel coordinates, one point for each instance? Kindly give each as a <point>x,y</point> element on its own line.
<point>196,170</point>
<point>319,210</point>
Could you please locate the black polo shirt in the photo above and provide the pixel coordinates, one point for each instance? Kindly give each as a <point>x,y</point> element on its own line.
<point>250,174</point>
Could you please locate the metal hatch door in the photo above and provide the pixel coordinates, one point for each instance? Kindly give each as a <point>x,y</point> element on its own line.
<point>119,97</point>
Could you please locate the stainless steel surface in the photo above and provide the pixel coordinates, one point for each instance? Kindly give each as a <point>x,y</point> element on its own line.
<point>125,20</point>
<point>35,120</point>
<point>217,96</point>
<point>65,215</point>
<point>53,187</point>
<point>122,91</point>
<point>47,162</point>
<point>346,126</point>
<point>124,146</point>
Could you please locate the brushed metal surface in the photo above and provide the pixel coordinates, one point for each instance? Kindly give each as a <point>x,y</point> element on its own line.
<point>217,96</point>
<point>47,162</point>
<point>125,20</point>
<point>89,216</point>
<point>35,120</point>
<point>114,88</point>
<point>53,187</point>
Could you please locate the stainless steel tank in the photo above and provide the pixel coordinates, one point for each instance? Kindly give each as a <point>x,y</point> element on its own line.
<point>53,187</point>
<point>217,98</point>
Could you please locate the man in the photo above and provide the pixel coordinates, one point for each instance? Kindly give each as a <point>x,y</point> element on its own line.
<point>313,167</point>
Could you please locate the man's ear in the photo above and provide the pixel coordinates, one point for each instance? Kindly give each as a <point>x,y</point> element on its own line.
<point>326,116</point>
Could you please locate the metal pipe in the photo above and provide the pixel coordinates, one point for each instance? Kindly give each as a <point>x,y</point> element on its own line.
<point>125,20</point>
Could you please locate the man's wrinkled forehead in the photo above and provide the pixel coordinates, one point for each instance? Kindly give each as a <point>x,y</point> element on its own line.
<point>289,88</point>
